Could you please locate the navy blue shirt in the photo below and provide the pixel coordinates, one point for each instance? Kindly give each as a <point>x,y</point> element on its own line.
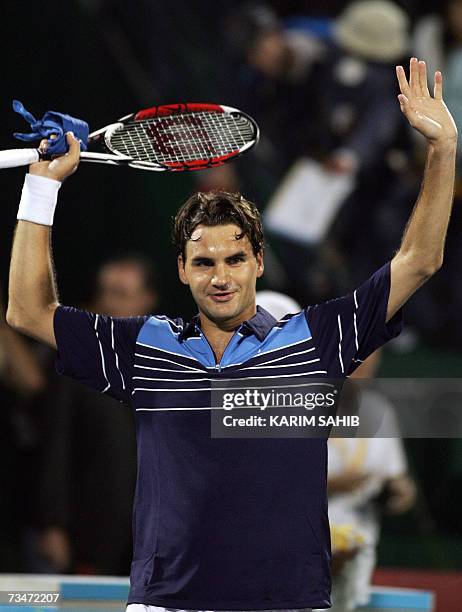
<point>225,524</point>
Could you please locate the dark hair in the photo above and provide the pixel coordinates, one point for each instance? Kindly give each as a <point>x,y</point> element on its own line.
<point>247,24</point>
<point>217,208</point>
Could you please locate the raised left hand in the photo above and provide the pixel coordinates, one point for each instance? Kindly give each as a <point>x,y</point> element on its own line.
<point>426,114</point>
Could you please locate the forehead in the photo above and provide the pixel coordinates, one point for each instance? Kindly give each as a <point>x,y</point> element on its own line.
<point>218,240</point>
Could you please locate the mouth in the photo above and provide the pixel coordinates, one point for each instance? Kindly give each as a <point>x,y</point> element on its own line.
<point>222,296</point>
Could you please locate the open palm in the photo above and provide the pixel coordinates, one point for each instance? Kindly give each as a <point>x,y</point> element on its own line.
<point>428,115</point>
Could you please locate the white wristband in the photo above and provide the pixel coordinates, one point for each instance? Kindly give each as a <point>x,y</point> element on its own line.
<point>38,199</point>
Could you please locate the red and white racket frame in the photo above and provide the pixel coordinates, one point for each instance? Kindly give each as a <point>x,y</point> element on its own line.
<point>165,110</point>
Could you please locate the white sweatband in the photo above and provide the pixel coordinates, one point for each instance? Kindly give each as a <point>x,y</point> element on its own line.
<point>38,199</point>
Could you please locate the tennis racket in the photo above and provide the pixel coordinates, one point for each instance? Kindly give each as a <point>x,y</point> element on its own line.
<point>172,137</point>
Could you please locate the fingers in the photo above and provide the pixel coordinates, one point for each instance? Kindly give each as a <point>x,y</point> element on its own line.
<point>403,102</point>
<point>414,80</point>
<point>63,166</point>
<point>402,81</point>
<point>74,148</point>
<point>74,143</point>
<point>43,146</point>
<point>423,79</point>
<point>73,155</point>
<point>418,81</point>
<point>405,107</point>
<point>438,89</point>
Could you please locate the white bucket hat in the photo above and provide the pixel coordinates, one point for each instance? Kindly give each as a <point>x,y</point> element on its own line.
<point>376,30</point>
<point>277,304</point>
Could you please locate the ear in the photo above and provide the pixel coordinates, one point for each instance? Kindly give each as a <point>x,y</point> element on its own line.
<point>181,270</point>
<point>260,264</point>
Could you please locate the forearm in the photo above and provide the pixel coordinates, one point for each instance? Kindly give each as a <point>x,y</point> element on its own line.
<point>425,234</point>
<point>33,297</point>
<point>32,290</point>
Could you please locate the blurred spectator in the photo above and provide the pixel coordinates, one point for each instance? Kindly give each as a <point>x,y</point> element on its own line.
<point>89,462</point>
<point>365,478</point>
<point>360,131</point>
<point>125,286</point>
<point>277,303</point>
<point>358,85</point>
<point>21,378</point>
<point>272,82</point>
<point>336,102</point>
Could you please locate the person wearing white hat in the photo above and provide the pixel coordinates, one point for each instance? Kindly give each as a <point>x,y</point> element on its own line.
<point>376,30</point>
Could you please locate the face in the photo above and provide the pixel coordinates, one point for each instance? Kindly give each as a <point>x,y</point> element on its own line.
<point>122,291</point>
<point>269,54</point>
<point>221,272</point>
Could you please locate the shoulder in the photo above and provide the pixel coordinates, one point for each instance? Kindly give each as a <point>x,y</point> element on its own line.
<point>163,324</point>
<point>160,330</point>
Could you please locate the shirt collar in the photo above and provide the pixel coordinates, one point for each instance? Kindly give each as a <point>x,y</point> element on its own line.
<point>191,329</point>
<point>259,325</point>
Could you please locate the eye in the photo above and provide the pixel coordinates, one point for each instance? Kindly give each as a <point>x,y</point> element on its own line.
<point>237,259</point>
<point>202,262</point>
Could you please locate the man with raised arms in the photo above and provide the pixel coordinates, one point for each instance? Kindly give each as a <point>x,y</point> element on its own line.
<point>228,524</point>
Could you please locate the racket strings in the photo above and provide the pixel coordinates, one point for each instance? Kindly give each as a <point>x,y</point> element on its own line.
<point>184,138</point>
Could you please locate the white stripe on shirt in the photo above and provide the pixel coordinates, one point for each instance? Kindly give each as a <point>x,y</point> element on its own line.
<point>354,321</point>
<point>340,343</point>
<point>103,364</point>
<point>169,361</point>
<point>116,355</point>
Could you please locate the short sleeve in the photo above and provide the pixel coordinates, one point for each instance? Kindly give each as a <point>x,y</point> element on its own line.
<point>97,350</point>
<point>348,329</point>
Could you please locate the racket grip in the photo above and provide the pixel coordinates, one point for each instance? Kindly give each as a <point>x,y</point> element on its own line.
<point>18,157</point>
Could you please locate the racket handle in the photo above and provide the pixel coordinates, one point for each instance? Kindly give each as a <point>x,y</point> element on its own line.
<point>18,157</point>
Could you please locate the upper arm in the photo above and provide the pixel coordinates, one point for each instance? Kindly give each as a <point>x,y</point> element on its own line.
<point>97,350</point>
<point>46,329</point>
<point>405,279</point>
<point>39,327</point>
<point>349,329</point>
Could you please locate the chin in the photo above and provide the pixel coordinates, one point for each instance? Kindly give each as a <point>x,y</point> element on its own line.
<point>222,312</point>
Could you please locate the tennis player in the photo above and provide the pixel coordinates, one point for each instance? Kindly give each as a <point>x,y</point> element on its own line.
<point>228,524</point>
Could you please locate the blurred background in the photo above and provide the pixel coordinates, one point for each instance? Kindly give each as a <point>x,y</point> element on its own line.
<point>319,79</point>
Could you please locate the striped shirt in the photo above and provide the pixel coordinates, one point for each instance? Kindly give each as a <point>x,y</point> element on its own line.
<point>225,524</point>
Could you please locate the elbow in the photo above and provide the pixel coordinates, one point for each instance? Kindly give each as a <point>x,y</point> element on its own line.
<point>13,319</point>
<point>431,268</point>
<point>16,320</point>
<point>423,267</point>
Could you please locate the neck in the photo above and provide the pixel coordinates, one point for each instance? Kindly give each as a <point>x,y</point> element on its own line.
<point>226,326</point>
<point>219,333</point>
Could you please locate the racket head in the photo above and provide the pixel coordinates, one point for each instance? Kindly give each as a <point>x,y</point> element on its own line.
<point>179,137</point>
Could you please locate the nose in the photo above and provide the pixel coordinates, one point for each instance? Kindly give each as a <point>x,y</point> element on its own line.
<point>220,278</point>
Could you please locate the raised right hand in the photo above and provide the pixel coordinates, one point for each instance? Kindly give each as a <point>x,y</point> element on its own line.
<point>60,167</point>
